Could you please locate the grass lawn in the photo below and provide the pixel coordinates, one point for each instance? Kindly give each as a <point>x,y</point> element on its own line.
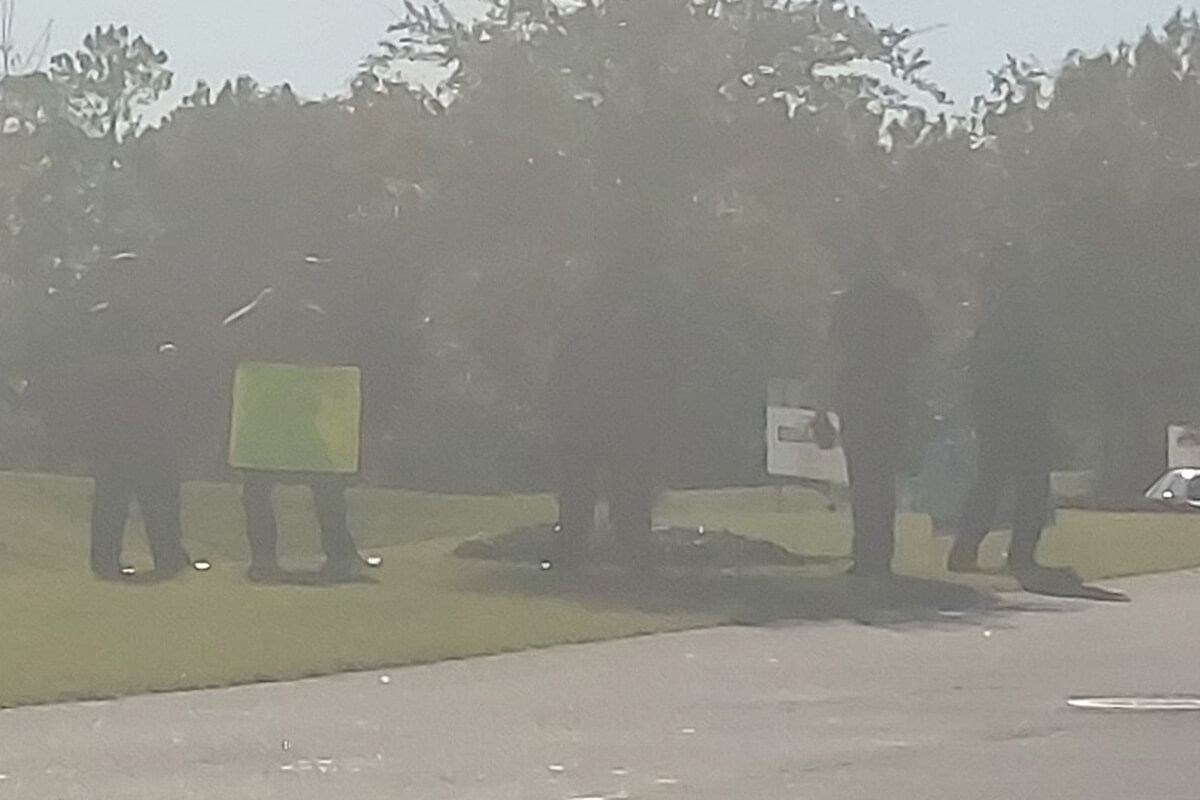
<point>65,636</point>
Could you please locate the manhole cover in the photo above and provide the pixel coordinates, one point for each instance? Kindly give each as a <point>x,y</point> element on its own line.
<point>1136,703</point>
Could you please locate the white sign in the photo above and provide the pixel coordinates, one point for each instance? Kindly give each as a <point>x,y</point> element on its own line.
<point>1183,446</point>
<point>792,449</point>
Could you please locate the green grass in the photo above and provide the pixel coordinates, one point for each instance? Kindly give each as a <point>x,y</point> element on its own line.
<point>1097,545</point>
<point>66,636</point>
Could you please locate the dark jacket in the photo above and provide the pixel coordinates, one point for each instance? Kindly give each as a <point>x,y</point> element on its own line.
<point>877,331</point>
<point>614,379</point>
<point>1009,371</point>
<point>134,399</point>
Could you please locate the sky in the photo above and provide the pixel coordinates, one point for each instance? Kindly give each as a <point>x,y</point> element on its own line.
<point>316,44</point>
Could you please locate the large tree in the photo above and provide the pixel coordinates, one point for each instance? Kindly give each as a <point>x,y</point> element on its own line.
<point>693,163</point>
<point>1099,174</point>
<point>69,132</point>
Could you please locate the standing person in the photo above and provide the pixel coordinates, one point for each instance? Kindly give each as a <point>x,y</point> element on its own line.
<point>877,332</point>
<point>133,436</point>
<point>1009,378</point>
<point>573,392</point>
<point>284,325</point>
<point>611,400</point>
<point>611,394</point>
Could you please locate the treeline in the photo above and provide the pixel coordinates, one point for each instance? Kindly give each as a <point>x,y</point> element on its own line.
<point>730,163</point>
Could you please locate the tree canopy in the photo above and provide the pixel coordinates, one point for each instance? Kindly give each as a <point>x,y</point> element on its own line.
<point>486,188</point>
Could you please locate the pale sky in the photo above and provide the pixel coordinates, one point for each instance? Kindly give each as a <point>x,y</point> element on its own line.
<point>316,44</point>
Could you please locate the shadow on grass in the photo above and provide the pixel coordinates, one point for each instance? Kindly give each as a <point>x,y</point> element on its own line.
<point>313,579</point>
<point>760,597</point>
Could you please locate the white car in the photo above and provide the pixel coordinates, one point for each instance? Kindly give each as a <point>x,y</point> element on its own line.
<point>1179,488</point>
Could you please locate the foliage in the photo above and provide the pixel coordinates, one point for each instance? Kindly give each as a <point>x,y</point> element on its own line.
<point>697,158</point>
<point>1099,175</point>
<point>486,191</point>
<point>109,80</point>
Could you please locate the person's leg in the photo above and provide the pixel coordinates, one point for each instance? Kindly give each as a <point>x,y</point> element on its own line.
<point>872,496</point>
<point>110,511</point>
<point>881,549</point>
<point>261,530</point>
<point>979,511</point>
<point>1029,515</point>
<point>577,497</point>
<point>329,498</point>
<point>631,509</point>
<point>158,494</point>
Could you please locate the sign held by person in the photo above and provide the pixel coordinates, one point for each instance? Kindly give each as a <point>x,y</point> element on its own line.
<point>296,418</point>
<point>802,443</point>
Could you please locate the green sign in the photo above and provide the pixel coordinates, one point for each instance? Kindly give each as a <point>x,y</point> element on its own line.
<point>296,419</point>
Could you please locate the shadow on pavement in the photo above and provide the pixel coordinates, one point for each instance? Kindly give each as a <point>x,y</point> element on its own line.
<point>761,597</point>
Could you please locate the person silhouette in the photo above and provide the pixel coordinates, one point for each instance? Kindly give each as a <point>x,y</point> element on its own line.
<point>285,325</point>
<point>134,432</point>
<point>1009,386</point>
<point>876,333</point>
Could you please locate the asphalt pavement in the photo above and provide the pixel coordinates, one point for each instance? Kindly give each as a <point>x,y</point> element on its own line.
<point>963,705</point>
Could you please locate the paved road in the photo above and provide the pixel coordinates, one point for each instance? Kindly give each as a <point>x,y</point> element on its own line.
<point>972,708</point>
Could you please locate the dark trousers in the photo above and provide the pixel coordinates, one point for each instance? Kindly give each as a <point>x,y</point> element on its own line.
<point>156,486</point>
<point>329,498</point>
<point>624,468</point>
<point>1014,454</point>
<point>873,444</point>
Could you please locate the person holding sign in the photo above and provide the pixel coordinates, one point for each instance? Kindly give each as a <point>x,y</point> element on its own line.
<point>877,332</point>
<point>296,418</point>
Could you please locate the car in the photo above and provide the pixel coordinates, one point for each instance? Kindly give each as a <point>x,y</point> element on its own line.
<point>1179,488</point>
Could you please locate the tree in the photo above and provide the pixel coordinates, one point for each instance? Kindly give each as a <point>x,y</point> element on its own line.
<point>673,160</point>
<point>1099,174</point>
<point>69,132</point>
<point>28,103</point>
<point>77,123</point>
<point>12,61</point>
<point>706,172</point>
<point>110,81</point>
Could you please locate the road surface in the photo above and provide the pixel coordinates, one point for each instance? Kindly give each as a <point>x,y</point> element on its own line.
<point>968,707</point>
